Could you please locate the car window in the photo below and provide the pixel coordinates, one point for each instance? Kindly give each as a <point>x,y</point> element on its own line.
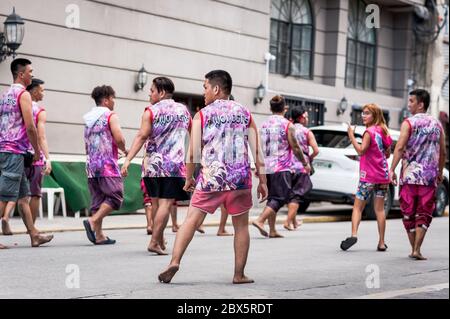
<point>334,139</point>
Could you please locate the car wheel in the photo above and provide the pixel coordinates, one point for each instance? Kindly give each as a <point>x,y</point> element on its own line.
<point>441,200</point>
<point>304,204</point>
<point>369,211</point>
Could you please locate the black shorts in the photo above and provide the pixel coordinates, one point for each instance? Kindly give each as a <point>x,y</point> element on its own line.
<point>166,188</point>
<point>301,185</point>
<point>279,185</point>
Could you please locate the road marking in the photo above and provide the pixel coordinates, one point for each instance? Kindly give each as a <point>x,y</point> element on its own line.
<point>397,293</point>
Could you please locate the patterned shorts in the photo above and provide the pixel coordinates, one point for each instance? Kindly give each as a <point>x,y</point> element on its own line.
<point>365,189</point>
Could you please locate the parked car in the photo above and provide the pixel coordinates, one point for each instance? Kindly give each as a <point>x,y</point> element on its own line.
<point>336,174</point>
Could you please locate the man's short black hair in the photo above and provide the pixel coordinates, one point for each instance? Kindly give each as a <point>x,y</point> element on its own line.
<point>102,92</point>
<point>164,84</point>
<point>34,83</point>
<point>422,96</point>
<point>296,112</point>
<point>222,79</point>
<point>277,104</point>
<point>17,66</point>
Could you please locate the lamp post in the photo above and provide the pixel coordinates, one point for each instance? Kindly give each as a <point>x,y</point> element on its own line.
<point>12,36</point>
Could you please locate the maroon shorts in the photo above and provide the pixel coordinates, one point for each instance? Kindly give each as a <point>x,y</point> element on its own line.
<point>147,198</point>
<point>417,203</point>
<point>34,175</point>
<point>235,202</point>
<point>108,190</point>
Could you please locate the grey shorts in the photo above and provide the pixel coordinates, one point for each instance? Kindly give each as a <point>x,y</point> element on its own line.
<point>13,182</point>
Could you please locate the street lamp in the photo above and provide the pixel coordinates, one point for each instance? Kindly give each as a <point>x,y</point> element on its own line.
<point>342,107</point>
<point>141,79</point>
<point>12,36</point>
<point>260,94</point>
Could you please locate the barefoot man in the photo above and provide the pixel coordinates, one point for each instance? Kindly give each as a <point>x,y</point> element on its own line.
<point>221,131</point>
<point>18,135</point>
<point>421,147</point>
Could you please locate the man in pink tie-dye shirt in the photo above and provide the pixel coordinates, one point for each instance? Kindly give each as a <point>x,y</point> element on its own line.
<point>421,148</point>
<point>221,133</point>
<point>17,132</point>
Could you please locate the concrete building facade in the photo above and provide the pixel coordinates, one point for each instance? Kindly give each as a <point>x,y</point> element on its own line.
<point>185,39</point>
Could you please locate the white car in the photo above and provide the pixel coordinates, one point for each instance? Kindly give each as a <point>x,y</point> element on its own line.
<point>336,174</point>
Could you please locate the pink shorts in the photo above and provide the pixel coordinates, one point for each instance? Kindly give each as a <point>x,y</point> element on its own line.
<point>235,202</point>
<point>417,204</point>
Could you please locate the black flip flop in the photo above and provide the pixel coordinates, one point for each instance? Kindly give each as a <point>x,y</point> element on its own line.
<point>108,241</point>
<point>349,242</point>
<point>89,232</point>
<point>382,249</point>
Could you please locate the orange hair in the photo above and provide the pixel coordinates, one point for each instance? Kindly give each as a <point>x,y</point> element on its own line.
<point>378,116</point>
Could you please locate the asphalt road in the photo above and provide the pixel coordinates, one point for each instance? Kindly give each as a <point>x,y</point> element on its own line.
<point>305,264</point>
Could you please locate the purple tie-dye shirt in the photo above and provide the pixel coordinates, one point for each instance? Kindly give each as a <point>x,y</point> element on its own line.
<point>101,149</point>
<point>13,134</point>
<point>275,145</point>
<point>301,134</point>
<point>225,162</point>
<point>167,143</point>
<point>420,163</point>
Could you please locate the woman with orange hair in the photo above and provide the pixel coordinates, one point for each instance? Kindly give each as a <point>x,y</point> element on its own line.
<point>373,173</point>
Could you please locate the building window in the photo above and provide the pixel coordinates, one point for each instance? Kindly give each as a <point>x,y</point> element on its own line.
<point>357,115</point>
<point>316,109</point>
<point>361,49</point>
<point>194,103</point>
<point>291,38</point>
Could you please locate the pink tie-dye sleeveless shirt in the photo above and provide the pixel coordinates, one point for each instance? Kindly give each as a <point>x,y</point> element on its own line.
<point>420,163</point>
<point>101,149</point>
<point>13,134</point>
<point>373,165</point>
<point>275,145</point>
<point>301,134</point>
<point>167,143</point>
<point>225,162</point>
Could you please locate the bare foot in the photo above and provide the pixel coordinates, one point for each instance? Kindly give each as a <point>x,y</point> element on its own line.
<point>242,280</point>
<point>157,250</point>
<point>224,233</point>
<point>6,230</point>
<point>288,227</point>
<point>175,228</point>
<point>201,230</point>
<point>418,256</point>
<point>3,247</point>
<point>166,276</point>
<point>163,244</point>
<point>298,223</point>
<point>39,240</point>
<point>261,228</point>
<point>276,235</point>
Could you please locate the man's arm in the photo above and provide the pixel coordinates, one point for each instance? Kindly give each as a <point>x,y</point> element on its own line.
<point>259,161</point>
<point>313,143</point>
<point>139,140</point>
<point>399,149</point>
<point>27,115</point>
<point>117,132</point>
<point>194,152</point>
<point>42,139</point>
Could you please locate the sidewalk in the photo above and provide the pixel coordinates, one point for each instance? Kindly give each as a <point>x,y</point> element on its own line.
<point>316,214</point>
